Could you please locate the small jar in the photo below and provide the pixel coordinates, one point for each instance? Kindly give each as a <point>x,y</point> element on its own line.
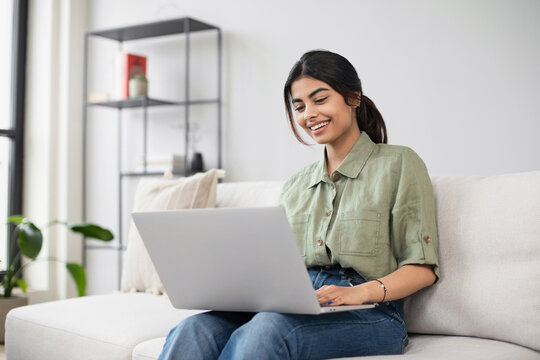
<point>138,86</point>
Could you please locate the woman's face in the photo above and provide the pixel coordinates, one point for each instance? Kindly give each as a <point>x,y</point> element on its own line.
<point>322,112</point>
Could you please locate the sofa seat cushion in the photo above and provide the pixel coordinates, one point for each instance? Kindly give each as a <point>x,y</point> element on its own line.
<point>440,347</point>
<point>421,347</point>
<point>92,327</point>
<point>149,349</point>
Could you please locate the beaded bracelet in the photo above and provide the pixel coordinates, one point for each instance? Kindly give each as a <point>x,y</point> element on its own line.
<point>384,288</point>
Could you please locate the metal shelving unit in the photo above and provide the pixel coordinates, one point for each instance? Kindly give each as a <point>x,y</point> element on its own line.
<point>184,26</point>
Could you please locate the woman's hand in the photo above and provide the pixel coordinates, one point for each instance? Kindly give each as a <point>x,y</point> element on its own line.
<point>342,295</point>
<point>401,283</point>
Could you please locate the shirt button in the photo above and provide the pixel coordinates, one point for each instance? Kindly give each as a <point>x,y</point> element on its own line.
<point>319,242</point>
<point>427,239</point>
<point>328,213</point>
<point>335,176</point>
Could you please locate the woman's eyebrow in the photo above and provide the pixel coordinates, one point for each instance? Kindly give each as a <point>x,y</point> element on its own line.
<point>313,93</point>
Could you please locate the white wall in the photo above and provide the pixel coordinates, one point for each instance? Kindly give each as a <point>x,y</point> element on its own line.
<point>458,81</point>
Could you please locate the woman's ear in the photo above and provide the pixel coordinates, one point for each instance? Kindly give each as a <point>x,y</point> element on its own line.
<point>355,100</point>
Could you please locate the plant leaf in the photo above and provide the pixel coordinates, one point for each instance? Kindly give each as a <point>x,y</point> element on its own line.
<point>79,276</point>
<point>6,286</point>
<point>30,239</point>
<point>92,231</point>
<point>15,219</point>
<point>22,284</point>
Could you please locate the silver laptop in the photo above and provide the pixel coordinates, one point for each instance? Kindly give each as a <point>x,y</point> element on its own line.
<point>230,259</point>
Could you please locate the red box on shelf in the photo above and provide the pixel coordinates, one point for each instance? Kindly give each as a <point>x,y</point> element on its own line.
<point>131,65</point>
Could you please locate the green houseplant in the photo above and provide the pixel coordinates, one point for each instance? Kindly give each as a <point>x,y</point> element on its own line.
<point>29,238</point>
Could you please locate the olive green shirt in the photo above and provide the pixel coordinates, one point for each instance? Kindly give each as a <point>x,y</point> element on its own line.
<point>375,213</point>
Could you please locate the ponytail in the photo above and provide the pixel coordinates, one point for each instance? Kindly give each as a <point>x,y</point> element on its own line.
<point>370,120</point>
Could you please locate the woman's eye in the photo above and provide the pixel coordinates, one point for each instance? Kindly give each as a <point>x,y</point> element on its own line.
<point>299,108</point>
<point>321,100</point>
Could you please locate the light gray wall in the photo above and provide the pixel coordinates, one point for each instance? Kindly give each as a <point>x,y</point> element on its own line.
<point>458,81</point>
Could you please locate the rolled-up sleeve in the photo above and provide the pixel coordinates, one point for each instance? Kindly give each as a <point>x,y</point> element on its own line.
<point>413,222</point>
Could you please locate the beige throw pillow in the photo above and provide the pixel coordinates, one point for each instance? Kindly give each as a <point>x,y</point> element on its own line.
<point>197,191</point>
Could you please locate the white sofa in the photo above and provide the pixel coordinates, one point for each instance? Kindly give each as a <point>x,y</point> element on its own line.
<point>485,306</point>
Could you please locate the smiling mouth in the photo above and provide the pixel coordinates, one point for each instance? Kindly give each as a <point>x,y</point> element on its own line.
<point>320,125</point>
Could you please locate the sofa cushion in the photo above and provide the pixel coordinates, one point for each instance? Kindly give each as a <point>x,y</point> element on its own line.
<point>149,349</point>
<point>249,194</point>
<point>91,327</point>
<point>421,347</point>
<point>489,249</point>
<point>478,254</point>
<point>197,191</point>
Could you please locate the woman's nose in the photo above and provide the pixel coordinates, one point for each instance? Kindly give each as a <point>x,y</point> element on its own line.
<point>310,113</point>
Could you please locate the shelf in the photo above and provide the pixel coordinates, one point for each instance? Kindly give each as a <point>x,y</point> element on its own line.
<point>167,27</point>
<point>150,173</point>
<point>140,101</point>
<point>182,27</point>
<point>8,132</point>
<point>133,102</point>
<point>105,247</point>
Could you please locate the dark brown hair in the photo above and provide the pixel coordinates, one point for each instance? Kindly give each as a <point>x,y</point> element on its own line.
<point>339,73</point>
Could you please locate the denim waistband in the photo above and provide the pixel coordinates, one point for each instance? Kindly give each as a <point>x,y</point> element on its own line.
<point>336,269</point>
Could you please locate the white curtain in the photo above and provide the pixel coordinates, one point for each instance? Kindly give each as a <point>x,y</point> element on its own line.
<point>52,170</point>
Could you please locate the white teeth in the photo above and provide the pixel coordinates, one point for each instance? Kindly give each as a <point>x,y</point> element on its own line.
<point>318,126</point>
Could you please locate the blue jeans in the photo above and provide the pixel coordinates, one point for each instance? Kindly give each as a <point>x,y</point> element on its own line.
<point>269,335</point>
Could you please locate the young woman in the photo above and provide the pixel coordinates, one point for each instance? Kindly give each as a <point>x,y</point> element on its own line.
<point>364,221</point>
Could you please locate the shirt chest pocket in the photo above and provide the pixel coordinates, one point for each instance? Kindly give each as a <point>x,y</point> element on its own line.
<point>359,232</point>
<point>299,224</point>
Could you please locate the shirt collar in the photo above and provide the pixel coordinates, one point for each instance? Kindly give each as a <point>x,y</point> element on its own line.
<point>350,166</point>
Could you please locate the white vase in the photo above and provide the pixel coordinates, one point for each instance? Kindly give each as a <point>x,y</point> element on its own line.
<point>6,304</point>
<point>138,87</point>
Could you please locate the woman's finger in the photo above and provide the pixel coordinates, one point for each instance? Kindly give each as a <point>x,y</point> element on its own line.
<point>337,301</point>
<point>326,292</point>
<point>329,294</point>
<point>325,289</point>
<point>324,298</point>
